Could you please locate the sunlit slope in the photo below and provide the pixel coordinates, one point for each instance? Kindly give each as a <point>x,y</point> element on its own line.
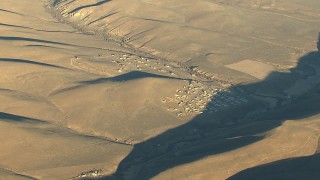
<point>35,60</point>
<point>45,147</point>
<point>60,117</point>
<point>125,111</point>
<point>204,33</point>
<point>72,102</point>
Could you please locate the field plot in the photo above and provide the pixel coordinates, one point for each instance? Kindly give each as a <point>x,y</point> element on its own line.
<point>256,69</point>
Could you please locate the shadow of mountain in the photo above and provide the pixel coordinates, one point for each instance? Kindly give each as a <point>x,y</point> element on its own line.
<point>133,75</point>
<point>16,26</point>
<point>130,76</point>
<point>29,62</point>
<point>32,40</point>
<point>6,173</point>
<point>40,30</point>
<point>90,5</point>
<point>318,43</point>
<point>103,17</point>
<point>11,117</point>
<point>229,128</point>
<point>12,38</point>
<point>42,46</point>
<point>3,10</point>
<point>290,169</point>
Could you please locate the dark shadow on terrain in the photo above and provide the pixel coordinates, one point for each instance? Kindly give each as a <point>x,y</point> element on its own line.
<point>11,117</point>
<point>16,26</point>
<point>56,2</point>
<point>90,5</point>
<point>31,40</point>
<point>24,27</point>
<point>29,62</point>
<point>10,38</point>
<point>3,10</point>
<point>12,173</point>
<point>222,131</point>
<point>290,169</point>
<point>130,76</point>
<point>103,17</point>
<point>43,46</point>
<point>155,20</point>
<point>133,75</point>
<point>293,168</point>
<point>318,43</point>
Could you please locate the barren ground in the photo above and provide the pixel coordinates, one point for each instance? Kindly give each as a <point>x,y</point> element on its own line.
<point>145,89</point>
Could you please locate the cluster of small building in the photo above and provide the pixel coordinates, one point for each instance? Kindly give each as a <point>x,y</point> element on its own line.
<point>201,73</point>
<point>197,72</point>
<point>197,98</point>
<point>191,99</point>
<point>128,62</point>
<point>91,174</point>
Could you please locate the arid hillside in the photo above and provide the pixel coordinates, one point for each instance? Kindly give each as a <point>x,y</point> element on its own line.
<point>204,33</point>
<point>146,89</point>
